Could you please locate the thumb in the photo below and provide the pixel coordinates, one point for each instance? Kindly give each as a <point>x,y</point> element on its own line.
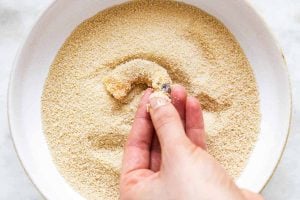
<point>167,123</point>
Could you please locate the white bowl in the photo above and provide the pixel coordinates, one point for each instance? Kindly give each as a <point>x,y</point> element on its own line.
<point>56,24</point>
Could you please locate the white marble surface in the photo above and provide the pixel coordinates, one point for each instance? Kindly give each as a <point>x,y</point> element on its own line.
<point>16,18</point>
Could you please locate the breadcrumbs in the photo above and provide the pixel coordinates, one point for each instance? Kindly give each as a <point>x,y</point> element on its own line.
<point>86,126</point>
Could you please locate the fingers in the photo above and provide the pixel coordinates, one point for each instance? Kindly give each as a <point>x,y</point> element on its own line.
<point>137,148</point>
<point>167,123</point>
<point>194,122</point>
<point>178,96</point>
<point>155,159</point>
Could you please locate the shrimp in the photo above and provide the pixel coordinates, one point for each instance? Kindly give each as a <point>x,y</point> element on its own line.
<point>120,80</point>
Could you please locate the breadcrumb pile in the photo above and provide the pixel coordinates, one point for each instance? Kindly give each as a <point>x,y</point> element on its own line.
<point>86,124</point>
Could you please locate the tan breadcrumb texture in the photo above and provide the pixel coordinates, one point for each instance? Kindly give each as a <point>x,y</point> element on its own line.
<point>86,126</point>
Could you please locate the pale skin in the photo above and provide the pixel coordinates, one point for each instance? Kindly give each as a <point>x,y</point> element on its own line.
<point>165,156</point>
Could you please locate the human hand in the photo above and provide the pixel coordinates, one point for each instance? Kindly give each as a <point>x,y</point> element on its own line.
<point>165,155</point>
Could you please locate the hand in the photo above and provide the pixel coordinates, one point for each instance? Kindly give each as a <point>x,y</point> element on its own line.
<point>165,155</point>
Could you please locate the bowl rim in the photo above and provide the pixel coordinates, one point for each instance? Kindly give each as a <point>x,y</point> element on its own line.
<point>9,90</point>
<point>52,4</point>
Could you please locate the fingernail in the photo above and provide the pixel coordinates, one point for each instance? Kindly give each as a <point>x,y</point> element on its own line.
<point>157,100</point>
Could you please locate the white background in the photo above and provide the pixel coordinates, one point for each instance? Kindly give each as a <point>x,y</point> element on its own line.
<point>16,19</point>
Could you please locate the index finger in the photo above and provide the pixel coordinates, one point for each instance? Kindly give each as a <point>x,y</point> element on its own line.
<point>137,148</point>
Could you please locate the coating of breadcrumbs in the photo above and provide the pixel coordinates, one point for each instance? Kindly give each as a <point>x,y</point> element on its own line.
<point>86,127</point>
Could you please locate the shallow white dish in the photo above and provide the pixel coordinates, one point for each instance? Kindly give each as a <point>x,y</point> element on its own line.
<point>56,24</point>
